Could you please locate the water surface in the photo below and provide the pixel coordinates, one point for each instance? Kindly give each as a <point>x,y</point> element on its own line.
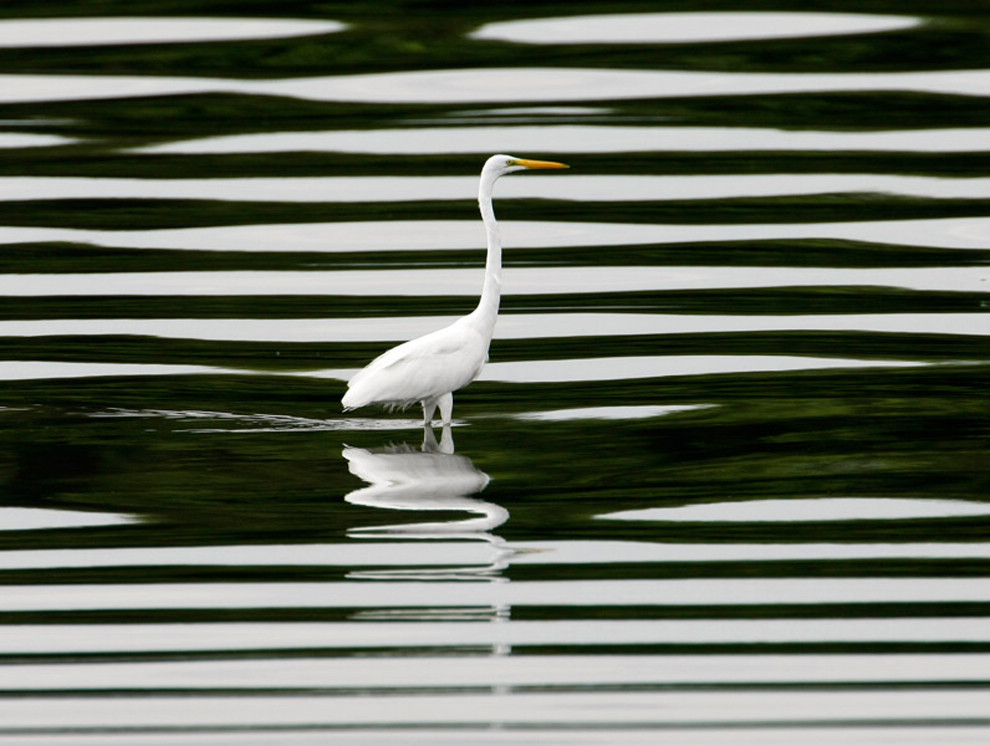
<point>723,481</point>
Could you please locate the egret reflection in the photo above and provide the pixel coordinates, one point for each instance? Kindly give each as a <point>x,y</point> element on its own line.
<point>431,478</point>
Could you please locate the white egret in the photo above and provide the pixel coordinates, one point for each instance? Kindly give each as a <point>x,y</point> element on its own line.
<point>428,369</point>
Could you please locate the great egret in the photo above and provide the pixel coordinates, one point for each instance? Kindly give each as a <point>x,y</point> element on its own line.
<point>429,369</point>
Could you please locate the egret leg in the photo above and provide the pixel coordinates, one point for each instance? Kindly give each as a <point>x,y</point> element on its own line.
<point>446,407</point>
<point>429,407</point>
<point>446,441</point>
<point>429,441</point>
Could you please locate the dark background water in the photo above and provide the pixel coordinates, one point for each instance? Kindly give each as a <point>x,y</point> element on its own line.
<point>803,349</point>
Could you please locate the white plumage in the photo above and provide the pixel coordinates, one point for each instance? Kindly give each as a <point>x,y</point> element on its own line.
<point>428,369</point>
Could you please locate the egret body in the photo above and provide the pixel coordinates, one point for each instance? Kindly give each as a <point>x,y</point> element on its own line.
<point>429,369</point>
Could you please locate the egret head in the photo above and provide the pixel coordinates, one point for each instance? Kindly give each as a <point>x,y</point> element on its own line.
<point>501,164</point>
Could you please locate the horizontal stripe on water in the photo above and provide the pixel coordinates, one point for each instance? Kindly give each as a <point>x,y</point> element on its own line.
<point>688,27</point>
<point>516,85</point>
<point>439,235</point>
<point>31,140</point>
<point>551,709</point>
<point>467,282</point>
<point>58,32</point>
<point>32,639</point>
<point>606,412</point>
<point>368,594</point>
<point>809,509</point>
<point>30,370</point>
<point>440,554</point>
<point>537,371</point>
<point>372,554</point>
<point>414,188</point>
<point>820,734</point>
<point>577,138</point>
<point>487,671</point>
<point>510,326</point>
<point>27,519</point>
<point>585,84</point>
<point>697,735</point>
<point>545,735</point>
<point>624,368</point>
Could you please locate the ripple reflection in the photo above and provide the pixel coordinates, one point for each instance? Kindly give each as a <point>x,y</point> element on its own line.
<point>515,85</point>
<point>55,32</point>
<point>434,478</point>
<point>679,28</point>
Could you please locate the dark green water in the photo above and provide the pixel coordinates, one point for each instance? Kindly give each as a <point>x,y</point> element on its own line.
<point>724,480</point>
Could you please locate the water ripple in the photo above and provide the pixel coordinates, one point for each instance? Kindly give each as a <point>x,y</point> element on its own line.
<point>56,32</point>
<point>584,138</point>
<point>681,28</point>
<point>466,282</point>
<point>510,326</point>
<point>584,188</point>
<point>531,84</point>
<point>441,235</point>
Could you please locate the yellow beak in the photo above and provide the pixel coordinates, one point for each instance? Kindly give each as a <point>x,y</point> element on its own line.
<point>538,164</point>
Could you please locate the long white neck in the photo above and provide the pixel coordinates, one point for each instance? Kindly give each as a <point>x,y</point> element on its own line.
<point>487,310</point>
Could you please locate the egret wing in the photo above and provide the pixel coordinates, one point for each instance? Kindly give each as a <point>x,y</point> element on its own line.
<point>422,368</point>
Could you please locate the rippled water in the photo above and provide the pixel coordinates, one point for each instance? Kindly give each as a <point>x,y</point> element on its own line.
<point>723,481</point>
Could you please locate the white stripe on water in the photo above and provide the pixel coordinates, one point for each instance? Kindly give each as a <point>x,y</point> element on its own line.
<point>450,595</point>
<point>510,326</point>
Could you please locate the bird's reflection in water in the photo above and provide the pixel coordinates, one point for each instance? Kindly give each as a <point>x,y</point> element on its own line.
<point>432,478</point>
